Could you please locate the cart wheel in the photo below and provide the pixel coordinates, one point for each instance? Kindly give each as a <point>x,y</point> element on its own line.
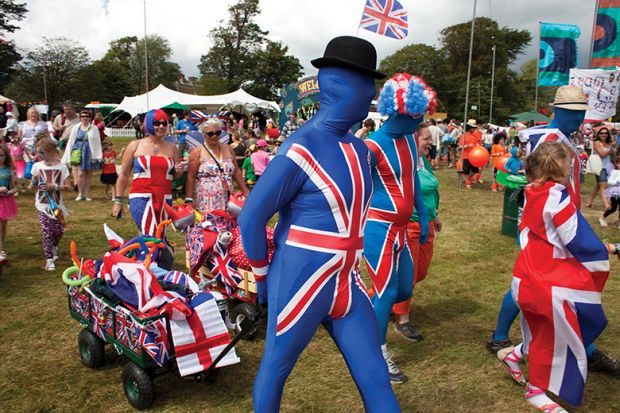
<point>91,349</point>
<point>138,385</point>
<point>242,311</point>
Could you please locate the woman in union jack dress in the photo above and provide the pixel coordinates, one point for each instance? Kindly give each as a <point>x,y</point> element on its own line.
<point>557,283</point>
<point>155,163</point>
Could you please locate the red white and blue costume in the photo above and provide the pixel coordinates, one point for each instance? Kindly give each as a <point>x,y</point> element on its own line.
<point>319,182</point>
<point>393,161</point>
<point>150,188</point>
<point>558,280</point>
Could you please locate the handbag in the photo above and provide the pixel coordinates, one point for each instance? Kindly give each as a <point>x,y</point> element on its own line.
<point>594,164</point>
<point>225,187</point>
<point>76,154</point>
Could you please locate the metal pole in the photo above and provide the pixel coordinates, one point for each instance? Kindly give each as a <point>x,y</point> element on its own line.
<point>492,84</point>
<point>45,90</point>
<point>537,71</point>
<point>593,34</point>
<point>146,61</point>
<point>471,47</point>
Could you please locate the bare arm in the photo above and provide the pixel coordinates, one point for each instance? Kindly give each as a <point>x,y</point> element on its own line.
<point>192,172</point>
<point>123,177</point>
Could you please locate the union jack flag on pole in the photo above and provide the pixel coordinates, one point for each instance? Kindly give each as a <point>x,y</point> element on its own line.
<point>385,17</point>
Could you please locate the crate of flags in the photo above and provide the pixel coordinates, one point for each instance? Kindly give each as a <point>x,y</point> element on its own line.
<point>151,316</point>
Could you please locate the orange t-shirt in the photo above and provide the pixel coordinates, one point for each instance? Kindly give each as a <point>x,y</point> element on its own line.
<point>497,151</point>
<point>467,138</point>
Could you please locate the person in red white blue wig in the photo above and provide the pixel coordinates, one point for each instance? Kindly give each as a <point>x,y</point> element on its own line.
<point>393,160</point>
<point>319,182</point>
<point>557,282</point>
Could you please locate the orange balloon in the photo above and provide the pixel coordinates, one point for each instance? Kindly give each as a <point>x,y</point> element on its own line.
<point>479,156</point>
<point>501,163</point>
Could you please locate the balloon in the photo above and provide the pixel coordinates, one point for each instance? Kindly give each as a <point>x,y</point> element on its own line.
<point>478,156</point>
<point>501,163</point>
<point>459,165</point>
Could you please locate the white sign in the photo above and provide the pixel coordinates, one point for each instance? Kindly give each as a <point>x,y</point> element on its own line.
<point>601,87</point>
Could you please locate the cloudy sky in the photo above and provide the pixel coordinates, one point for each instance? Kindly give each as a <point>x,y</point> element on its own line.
<point>304,25</point>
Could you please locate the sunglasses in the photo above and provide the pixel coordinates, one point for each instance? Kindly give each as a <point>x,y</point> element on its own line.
<point>84,117</point>
<point>41,153</point>
<point>211,134</point>
<point>160,123</point>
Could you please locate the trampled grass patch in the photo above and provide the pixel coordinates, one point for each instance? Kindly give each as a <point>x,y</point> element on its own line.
<point>455,308</point>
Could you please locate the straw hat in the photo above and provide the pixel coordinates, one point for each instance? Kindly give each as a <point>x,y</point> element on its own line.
<point>471,123</point>
<point>571,98</point>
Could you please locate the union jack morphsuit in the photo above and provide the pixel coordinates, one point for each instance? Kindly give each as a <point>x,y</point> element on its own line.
<point>320,184</point>
<point>558,280</point>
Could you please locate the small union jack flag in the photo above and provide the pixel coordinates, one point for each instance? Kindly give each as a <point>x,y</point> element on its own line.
<point>385,17</point>
<point>223,269</point>
<point>154,340</point>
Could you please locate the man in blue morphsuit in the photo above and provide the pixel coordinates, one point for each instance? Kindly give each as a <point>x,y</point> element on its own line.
<point>570,106</point>
<point>319,183</point>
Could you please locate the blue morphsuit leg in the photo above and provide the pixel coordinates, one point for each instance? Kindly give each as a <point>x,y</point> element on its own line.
<point>590,349</point>
<point>508,312</point>
<point>358,340</point>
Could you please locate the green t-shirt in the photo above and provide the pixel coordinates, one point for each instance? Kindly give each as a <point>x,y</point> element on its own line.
<point>430,192</point>
<point>249,169</point>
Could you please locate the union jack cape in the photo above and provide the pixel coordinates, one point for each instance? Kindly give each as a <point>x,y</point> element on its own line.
<point>558,279</point>
<point>539,134</point>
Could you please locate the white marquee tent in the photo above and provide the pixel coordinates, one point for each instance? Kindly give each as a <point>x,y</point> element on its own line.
<point>162,96</point>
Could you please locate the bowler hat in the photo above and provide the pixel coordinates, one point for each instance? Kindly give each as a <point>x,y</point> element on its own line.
<point>571,98</point>
<point>351,53</point>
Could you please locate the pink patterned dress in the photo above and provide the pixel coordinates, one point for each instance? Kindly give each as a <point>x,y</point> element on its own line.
<point>213,186</point>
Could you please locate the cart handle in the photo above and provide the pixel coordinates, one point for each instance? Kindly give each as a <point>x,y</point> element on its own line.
<point>66,277</point>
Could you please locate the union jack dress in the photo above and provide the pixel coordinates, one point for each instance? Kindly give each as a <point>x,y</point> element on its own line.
<point>558,279</point>
<point>150,188</point>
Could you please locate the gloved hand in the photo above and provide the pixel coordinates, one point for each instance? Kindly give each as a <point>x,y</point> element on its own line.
<point>423,230</point>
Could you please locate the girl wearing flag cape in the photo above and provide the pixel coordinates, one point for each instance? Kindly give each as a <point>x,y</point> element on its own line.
<point>557,282</point>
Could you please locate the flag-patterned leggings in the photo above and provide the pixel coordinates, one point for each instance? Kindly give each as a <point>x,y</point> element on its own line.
<point>52,233</point>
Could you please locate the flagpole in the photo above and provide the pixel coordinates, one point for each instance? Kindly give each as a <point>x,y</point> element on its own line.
<point>593,34</point>
<point>146,61</point>
<point>537,69</point>
<point>492,84</point>
<point>471,47</point>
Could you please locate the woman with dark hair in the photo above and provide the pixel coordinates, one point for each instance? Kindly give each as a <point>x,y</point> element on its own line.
<point>603,147</point>
<point>83,151</point>
<point>498,151</point>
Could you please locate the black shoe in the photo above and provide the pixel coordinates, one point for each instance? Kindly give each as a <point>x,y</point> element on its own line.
<point>603,362</point>
<point>494,346</point>
<point>408,332</point>
<point>398,378</point>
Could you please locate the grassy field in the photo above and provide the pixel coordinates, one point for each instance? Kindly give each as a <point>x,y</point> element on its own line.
<point>455,308</point>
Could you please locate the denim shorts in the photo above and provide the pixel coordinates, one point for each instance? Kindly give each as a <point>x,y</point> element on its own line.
<point>602,177</point>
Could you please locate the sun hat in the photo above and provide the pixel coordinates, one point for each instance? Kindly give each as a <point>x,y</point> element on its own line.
<point>472,122</point>
<point>261,143</point>
<point>571,98</point>
<point>351,53</point>
<point>9,113</point>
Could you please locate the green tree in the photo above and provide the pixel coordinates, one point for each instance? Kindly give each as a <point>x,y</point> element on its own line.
<point>234,45</point>
<point>546,94</point>
<point>161,69</point>
<point>272,68</point>
<point>59,60</point>
<point>10,11</point>
<point>424,61</point>
<point>104,81</point>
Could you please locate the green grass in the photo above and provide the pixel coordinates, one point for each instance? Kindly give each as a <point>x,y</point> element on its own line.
<point>455,308</point>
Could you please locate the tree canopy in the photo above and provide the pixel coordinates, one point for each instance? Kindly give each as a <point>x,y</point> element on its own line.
<point>10,11</point>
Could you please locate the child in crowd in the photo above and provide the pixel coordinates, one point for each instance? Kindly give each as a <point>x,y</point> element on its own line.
<point>108,168</point>
<point>8,207</point>
<point>612,192</point>
<point>260,158</point>
<point>17,149</point>
<point>514,165</point>
<point>247,169</point>
<point>498,150</point>
<point>583,163</point>
<point>562,265</point>
<point>50,177</point>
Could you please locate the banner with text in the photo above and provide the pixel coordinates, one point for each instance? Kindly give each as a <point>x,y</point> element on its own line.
<point>601,87</point>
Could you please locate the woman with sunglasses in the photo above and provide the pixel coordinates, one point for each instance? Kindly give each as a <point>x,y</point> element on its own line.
<point>211,171</point>
<point>155,163</point>
<point>603,146</point>
<point>83,151</point>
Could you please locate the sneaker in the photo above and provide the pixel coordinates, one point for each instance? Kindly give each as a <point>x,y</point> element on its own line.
<point>396,377</point>
<point>87,198</point>
<point>467,186</point>
<point>50,265</point>
<point>603,362</point>
<point>494,346</point>
<point>78,198</point>
<point>3,257</point>
<point>602,221</point>
<point>55,253</point>
<point>408,332</point>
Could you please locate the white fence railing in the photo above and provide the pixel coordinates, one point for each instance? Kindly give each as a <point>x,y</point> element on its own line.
<point>123,133</point>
